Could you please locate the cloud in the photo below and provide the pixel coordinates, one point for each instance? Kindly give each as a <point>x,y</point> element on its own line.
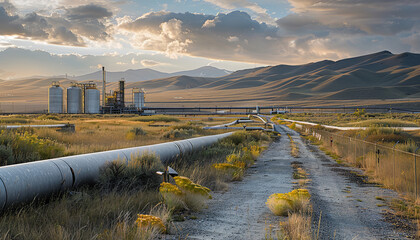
<point>373,17</point>
<point>261,13</point>
<point>70,28</point>
<point>90,11</point>
<point>232,36</point>
<point>149,63</point>
<point>9,24</point>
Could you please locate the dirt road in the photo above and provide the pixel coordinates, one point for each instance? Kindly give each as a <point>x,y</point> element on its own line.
<point>349,207</point>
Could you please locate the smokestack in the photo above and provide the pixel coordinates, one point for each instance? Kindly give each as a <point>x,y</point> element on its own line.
<point>103,86</point>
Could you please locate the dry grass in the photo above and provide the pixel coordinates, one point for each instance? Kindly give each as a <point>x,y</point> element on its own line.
<point>109,210</point>
<point>294,149</point>
<point>81,215</point>
<point>297,227</point>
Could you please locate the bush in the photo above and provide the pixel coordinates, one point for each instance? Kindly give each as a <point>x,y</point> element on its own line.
<point>48,117</point>
<point>138,174</point>
<point>283,203</point>
<point>6,155</point>
<point>184,195</point>
<point>27,147</point>
<point>179,133</point>
<point>134,133</point>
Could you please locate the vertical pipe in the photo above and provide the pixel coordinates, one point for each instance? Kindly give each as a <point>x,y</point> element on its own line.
<point>103,87</point>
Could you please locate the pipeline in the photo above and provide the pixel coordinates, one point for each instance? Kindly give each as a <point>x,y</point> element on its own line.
<point>24,182</point>
<point>67,126</point>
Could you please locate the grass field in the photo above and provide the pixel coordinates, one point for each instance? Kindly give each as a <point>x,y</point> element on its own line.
<point>108,209</point>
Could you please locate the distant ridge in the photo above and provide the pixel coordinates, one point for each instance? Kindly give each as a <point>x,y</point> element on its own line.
<point>380,75</point>
<point>135,75</point>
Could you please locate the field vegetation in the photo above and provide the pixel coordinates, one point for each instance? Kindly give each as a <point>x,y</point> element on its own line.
<point>93,133</point>
<point>381,127</point>
<point>125,203</point>
<point>383,151</point>
<point>359,118</point>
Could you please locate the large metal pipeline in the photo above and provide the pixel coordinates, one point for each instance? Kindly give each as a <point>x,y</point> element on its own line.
<point>24,182</point>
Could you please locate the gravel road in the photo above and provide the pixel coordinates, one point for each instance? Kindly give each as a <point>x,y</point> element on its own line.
<point>348,205</point>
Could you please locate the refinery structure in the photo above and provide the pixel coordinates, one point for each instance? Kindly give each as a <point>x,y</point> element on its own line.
<point>85,98</point>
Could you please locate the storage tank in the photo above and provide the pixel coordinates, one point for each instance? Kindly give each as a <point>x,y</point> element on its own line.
<point>138,98</point>
<point>55,98</point>
<point>74,99</point>
<point>92,100</point>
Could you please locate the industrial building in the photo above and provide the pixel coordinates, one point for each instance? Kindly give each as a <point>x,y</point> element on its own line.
<point>85,98</point>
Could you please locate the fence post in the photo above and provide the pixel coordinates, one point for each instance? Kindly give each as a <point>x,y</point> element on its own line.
<point>393,150</point>
<point>364,152</point>
<point>415,173</point>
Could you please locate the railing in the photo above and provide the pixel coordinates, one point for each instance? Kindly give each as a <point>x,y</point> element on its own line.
<point>392,167</point>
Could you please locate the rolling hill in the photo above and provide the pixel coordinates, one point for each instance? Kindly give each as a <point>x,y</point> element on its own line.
<point>381,78</point>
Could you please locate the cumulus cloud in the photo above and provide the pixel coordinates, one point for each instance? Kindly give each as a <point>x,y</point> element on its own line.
<point>231,36</point>
<point>261,13</point>
<point>149,63</point>
<point>70,28</point>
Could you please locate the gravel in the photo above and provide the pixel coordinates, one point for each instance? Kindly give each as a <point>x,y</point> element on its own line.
<point>341,198</point>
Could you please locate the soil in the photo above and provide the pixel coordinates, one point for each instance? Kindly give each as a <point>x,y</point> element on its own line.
<point>342,199</point>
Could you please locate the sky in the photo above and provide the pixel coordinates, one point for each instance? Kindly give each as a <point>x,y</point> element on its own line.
<point>56,37</point>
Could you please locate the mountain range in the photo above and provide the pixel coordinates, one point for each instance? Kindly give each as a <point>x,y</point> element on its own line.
<point>381,78</point>
<point>149,74</point>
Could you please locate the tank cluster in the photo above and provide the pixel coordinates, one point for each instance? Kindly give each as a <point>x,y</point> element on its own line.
<point>81,98</point>
<point>85,98</point>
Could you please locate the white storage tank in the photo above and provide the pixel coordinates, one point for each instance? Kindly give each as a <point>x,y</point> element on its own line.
<point>138,98</point>
<point>74,99</point>
<point>92,100</point>
<point>55,98</point>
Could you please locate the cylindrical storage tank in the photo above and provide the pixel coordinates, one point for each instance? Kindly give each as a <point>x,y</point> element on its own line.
<point>138,98</point>
<point>55,99</point>
<point>92,100</point>
<point>74,100</point>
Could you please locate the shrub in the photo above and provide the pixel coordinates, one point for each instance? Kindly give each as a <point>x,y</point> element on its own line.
<point>172,196</point>
<point>6,155</point>
<point>186,195</point>
<point>235,172</point>
<point>138,174</point>
<point>179,133</point>
<point>134,133</point>
<point>148,221</point>
<point>27,147</point>
<point>283,203</point>
<point>48,117</point>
